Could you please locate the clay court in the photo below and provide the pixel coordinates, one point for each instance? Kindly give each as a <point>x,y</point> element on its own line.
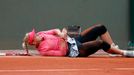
<point>97,64</point>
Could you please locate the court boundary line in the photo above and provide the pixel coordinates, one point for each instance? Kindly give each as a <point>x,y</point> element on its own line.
<point>65,70</point>
<point>50,70</point>
<point>124,69</point>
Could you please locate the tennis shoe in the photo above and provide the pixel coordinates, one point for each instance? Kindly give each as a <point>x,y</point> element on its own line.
<point>129,54</point>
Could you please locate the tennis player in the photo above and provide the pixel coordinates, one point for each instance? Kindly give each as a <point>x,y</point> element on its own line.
<point>56,42</point>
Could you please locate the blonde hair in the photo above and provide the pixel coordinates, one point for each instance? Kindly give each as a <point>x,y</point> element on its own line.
<point>25,39</point>
<point>25,42</point>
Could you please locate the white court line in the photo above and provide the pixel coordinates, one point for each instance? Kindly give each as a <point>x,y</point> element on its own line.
<point>51,70</point>
<point>66,70</point>
<point>124,69</point>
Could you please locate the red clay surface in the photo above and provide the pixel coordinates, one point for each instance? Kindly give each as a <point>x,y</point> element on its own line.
<point>39,65</point>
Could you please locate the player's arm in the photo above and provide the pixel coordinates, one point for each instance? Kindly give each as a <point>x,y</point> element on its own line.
<point>62,33</point>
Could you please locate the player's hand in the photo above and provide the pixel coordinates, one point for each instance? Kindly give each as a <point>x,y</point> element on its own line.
<point>64,33</point>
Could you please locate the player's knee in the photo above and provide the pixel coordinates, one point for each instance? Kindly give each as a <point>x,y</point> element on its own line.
<point>105,46</point>
<point>101,28</point>
<point>99,42</point>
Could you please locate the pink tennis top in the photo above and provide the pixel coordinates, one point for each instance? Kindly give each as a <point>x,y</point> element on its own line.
<point>51,44</point>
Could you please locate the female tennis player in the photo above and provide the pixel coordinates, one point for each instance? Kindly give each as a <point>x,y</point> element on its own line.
<point>55,42</point>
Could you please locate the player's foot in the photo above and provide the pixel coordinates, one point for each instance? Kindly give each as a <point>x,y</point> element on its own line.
<point>129,53</point>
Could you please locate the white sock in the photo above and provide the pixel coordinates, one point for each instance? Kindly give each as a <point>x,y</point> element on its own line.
<point>128,53</point>
<point>124,52</point>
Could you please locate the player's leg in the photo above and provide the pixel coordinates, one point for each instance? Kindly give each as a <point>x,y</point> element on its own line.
<point>121,52</point>
<point>106,37</point>
<point>91,47</point>
<point>94,31</point>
